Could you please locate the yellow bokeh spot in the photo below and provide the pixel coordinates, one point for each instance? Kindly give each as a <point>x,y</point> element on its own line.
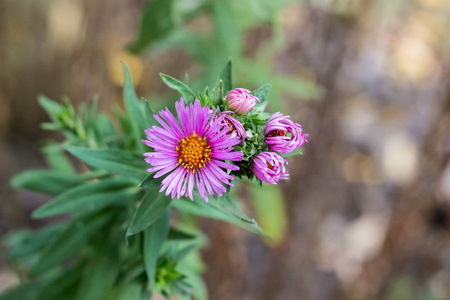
<point>116,71</point>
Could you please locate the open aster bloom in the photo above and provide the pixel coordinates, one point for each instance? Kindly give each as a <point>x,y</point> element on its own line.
<point>269,167</point>
<point>194,152</point>
<point>235,127</point>
<point>283,135</point>
<point>241,100</point>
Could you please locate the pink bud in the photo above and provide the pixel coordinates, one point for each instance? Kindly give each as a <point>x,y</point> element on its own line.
<point>241,100</point>
<point>283,135</point>
<point>269,167</point>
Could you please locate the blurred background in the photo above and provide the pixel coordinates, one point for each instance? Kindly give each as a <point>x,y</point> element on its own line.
<point>366,214</point>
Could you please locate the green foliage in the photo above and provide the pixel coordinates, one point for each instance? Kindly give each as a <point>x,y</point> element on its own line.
<point>154,237</point>
<point>116,161</point>
<point>152,206</point>
<point>46,181</point>
<point>218,93</point>
<point>270,198</point>
<point>227,211</point>
<point>91,196</point>
<point>182,88</point>
<point>116,242</point>
<point>231,20</point>
<point>135,110</point>
<point>226,77</point>
<point>157,21</point>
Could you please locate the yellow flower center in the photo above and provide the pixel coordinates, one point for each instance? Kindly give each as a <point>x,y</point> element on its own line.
<point>194,152</point>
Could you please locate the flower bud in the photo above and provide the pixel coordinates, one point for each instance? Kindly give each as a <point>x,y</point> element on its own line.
<point>282,135</point>
<point>241,100</point>
<point>269,167</point>
<point>235,127</point>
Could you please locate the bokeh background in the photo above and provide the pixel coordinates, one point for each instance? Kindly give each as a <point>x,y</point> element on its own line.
<point>366,214</point>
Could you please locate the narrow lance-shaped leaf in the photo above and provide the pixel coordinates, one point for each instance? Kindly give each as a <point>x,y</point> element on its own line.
<point>271,212</point>
<point>134,109</point>
<point>57,287</point>
<point>176,234</point>
<point>262,92</point>
<point>154,237</point>
<point>46,181</point>
<point>69,242</point>
<point>149,182</point>
<point>91,195</point>
<point>25,291</point>
<point>152,206</point>
<point>53,108</point>
<point>151,121</point>
<point>218,93</point>
<point>113,160</point>
<point>156,22</point>
<point>259,108</point>
<point>25,243</point>
<point>183,89</point>
<point>226,77</point>
<point>226,212</point>
<point>99,276</point>
<point>57,159</point>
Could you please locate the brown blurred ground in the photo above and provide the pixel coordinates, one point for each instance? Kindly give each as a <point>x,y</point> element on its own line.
<point>368,204</point>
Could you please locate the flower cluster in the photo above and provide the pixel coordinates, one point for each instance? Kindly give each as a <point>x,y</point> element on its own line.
<point>208,145</point>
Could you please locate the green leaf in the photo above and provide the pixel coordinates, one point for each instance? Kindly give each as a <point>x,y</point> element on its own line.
<point>154,237</point>
<point>151,121</point>
<point>62,285</point>
<point>23,243</point>
<point>149,182</point>
<point>262,92</point>
<point>99,276</point>
<point>218,94</point>
<point>183,252</point>
<point>90,196</point>
<point>198,284</point>
<point>226,212</point>
<point>53,108</point>
<point>57,159</point>
<point>134,110</point>
<point>225,75</point>
<point>156,22</point>
<point>176,234</point>
<point>130,291</point>
<point>75,236</point>
<point>299,151</point>
<point>183,89</point>
<point>258,109</point>
<point>25,291</point>
<point>46,181</point>
<point>152,206</point>
<point>113,160</point>
<point>260,118</point>
<point>271,212</point>
<point>105,129</point>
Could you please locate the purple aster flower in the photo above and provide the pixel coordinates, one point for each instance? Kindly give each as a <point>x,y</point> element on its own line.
<point>235,127</point>
<point>269,167</point>
<point>193,153</point>
<point>283,135</point>
<point>241,100</point>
